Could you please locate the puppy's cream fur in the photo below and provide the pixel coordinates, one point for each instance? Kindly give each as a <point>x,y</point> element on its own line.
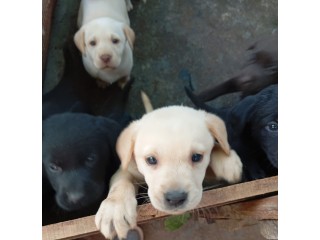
<point>172,135</point>
<point>105,39</point>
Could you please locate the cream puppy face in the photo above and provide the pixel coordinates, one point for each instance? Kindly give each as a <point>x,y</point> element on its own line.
<point>103,41</point>
<point>172,147</point>
<point>173,152</point>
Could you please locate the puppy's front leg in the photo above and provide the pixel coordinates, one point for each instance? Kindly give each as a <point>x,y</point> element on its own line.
<point>118,212</point>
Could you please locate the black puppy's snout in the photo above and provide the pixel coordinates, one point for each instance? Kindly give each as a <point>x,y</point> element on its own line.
<point>175,198</point>
<point>74,197</point>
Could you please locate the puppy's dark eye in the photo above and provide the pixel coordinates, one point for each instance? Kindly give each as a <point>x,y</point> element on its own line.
<point>92,42</point>
<point>196,157</point>
<point>151,160</point>
<point>55,168</point>
<point>91,158</point>
<point>115,40</point>
<point>272,126</point>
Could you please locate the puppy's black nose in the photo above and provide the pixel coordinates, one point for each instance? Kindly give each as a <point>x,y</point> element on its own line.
<point>105,58</point>
<point>175,198</point>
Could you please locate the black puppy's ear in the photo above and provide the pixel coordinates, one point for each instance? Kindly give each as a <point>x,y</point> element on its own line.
<point>241,114</point>
<point>110,128</point>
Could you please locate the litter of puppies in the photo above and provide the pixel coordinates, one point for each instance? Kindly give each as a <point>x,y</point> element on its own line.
<point>78,148</point>
<point>94,151</point>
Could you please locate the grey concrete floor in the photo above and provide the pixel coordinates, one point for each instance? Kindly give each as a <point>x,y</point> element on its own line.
<point>208,38</point>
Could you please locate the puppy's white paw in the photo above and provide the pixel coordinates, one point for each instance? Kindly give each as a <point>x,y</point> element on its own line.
<point>226,167</point>
<point>117,215</point>
<point>129,5</point>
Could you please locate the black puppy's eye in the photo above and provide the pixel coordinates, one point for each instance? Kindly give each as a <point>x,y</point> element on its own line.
<point>196,157</point>
<point>55,168</point>
<point>92,43</point>
<point>115,40</point>
<point>151,160</point>
<point>272,126</point>
<point>91,158</point>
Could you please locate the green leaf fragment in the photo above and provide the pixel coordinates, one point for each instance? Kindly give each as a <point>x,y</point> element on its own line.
<point>172,223</point>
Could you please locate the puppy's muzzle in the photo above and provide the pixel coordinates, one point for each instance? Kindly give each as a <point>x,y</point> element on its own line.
<point>74,198</point>
<point>71,201</point>
<point>175,198</point>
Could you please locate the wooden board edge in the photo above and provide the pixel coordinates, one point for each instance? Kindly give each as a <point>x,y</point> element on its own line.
<point>212,198</point>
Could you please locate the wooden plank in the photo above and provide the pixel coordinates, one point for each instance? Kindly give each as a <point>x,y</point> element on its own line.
<point>212,198</point>
<point>220,196</point>
<point>70,229</point>
<point>269,229</point>
<point>224,229</point>
<point>259,209</point>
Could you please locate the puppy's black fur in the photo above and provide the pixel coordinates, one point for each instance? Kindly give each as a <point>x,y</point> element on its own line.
<point>78,147</point>
<point>252,126</point>
<point>79,158</point>
<point>260,71</point>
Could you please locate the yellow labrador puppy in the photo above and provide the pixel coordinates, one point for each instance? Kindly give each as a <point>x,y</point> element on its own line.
<point>105,39</point>
<point>170,149</point>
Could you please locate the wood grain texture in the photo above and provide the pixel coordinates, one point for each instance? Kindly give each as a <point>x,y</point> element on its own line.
<point>211,199</point>
<point>259,209</point>
<point>220,196</point>
<point>225,229</point>
<point>70,229</point>
<point>269,229</point>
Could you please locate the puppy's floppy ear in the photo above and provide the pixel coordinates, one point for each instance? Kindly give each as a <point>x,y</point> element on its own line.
<point>130,35</point>
<point>218,129</point>
<point>109,127</point>
<point>79,40</point>
<point>125,144</point>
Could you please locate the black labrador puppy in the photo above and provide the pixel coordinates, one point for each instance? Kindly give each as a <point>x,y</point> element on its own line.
<point>78,148</point>
<point>260,71</point>
<point>252,126</point>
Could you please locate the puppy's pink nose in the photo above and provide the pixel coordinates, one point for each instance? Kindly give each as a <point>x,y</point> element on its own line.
<point>105,58</point>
